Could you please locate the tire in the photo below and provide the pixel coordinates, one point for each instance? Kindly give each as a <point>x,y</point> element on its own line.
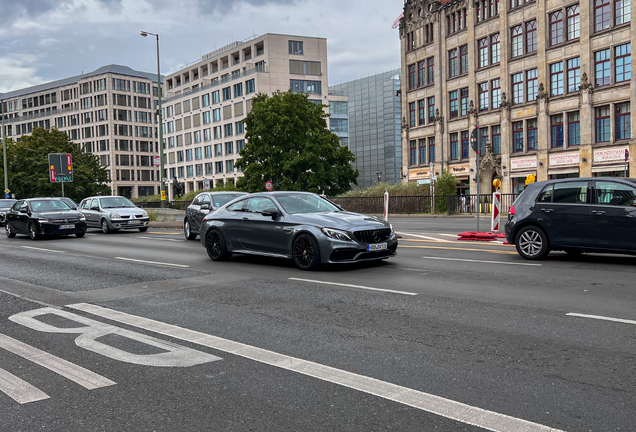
<point>105,227</point>
<point>532,243</point>
<point>80,235</point>
<point>216,247</point>
<point>8,231</point>
<point>144,229</point>
<point>306,253</point>
<point>33,233</point>
<point>187,232</point>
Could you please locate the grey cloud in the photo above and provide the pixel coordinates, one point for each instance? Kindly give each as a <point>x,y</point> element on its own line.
<point>11,11</point>
<point>223,7</point>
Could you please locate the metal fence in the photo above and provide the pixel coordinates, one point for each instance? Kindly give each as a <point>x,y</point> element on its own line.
<point>177,205</point>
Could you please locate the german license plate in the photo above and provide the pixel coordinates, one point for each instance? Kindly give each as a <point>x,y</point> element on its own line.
<point>376,247</point>
<point>133,222</point>
<point>67,227</point>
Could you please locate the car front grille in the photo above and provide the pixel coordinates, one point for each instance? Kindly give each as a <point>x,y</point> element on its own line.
<point>373,236</point>
<point>64,221</point>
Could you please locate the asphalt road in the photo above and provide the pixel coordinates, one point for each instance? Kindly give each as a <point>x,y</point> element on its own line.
<point>141,331</point>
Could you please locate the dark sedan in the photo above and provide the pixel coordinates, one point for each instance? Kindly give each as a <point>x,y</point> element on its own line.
<point>5,205</point>
<point>301,226</point>
<point>201,205</point>
<point>37,217</point>
<point>574,215</point>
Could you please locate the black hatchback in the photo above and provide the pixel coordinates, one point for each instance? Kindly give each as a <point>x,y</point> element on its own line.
<point>574,215</point>
<point>37,217</point>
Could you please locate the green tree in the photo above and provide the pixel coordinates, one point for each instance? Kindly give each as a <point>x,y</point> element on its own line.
<point>445,185</point>
<point>289,144</point>
<point>28,167</point>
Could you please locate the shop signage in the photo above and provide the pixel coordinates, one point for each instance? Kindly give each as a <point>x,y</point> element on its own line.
<point>523,163</point>
<point>419,173</point>
<point>564,159</point>
<point>610,155</point>
<point>459,169</point>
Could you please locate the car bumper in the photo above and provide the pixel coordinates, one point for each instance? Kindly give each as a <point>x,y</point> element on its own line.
<point>124,224</point>
<point>509,230</point>
<point>341,252</point>
<point>54,229</point>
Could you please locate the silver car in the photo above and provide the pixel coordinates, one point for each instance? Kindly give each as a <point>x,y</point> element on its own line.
<point>301,226</point>
<point>113,213</point>
<point>203,204</point>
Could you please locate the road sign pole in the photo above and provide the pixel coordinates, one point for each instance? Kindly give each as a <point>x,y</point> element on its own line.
<point>62,176</point>
<point>478,188</point>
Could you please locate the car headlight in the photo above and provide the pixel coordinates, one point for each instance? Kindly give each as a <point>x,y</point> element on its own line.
<point>82,218</point>
<point>43,220</point>
<point>115,216</point>
<point>392,230</point>
<point>336,234</point>
<point>144,213</point>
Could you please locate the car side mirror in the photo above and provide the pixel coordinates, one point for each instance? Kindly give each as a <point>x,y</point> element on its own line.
<point>205,207</point>
<point>24,210</point>
<point>95,208</point>
<point>271,212</point>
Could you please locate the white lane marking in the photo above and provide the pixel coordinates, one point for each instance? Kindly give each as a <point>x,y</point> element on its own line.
<point>20,391</point>
<point>42,249</point>
<point>424,237</point>
<point>480,261</point>
<point>71,371</point>
<point>448,408</point>
<point>600,317</point>
<point>354,286</point>
<point>413,269</point>
<point>152,262</point>
<point>160,239</point>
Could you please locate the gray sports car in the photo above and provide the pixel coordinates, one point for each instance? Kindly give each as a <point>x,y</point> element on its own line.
<point>301,226</point>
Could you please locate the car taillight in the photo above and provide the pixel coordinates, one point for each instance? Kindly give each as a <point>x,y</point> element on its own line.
<point>512,210</point>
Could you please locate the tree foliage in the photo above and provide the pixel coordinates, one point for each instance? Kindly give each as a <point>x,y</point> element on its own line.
<point>289,144</point>
<point>28,167</point>
<point>445,185</point>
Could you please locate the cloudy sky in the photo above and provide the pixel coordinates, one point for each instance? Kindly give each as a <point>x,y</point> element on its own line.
<point>45,40</point>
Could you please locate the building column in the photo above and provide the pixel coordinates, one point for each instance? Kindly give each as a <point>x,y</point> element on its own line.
<point>543,134</point>
<point>506,133</point>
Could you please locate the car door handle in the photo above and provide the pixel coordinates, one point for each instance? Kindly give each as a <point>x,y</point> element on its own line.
<point>546,210</point>
<point>598,212</point>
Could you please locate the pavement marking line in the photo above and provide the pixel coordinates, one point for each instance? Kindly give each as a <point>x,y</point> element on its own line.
<point>424,237</point>
<point>354,286</point>
<point>19,390</point>
<point>41,249</point>
<point>152,262</point>
<point>160,239</point>
<point>84,377</point>
<point>600,317</point>
<point>461,249</point>
<point>438,405</point>
<point>164,233</point>
<point>480,261</point>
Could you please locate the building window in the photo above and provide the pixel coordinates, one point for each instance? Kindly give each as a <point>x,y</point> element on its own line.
<point>517,137</point>
<point>421,112</point>
<point>412,77</point>
<point>227,93</point>
<point>531,36</point>
<point>431,149</point>
<point>463,59</point>
<point>495,86</point>
<point>421,73</point>
<point>602,67</point>
<point>464,101</point>
<point>517,88</point>
<point>574,24</point>
<point>431,109</point>
<point>601,15</point>
<point>487,9</point>
<point>250,86</point>
<point>483,96</point>
<point>309,87</point>
<point>456,21</point>
<point>465,145</point>
<point>574,129</point>
<point>422,150</point>
<point>412,114</point>
<point>557,130</point>
<point>428,33</point>
<point>518,3</point>
<point>410,41</point>
<point>517,41</point>
<point>602,124</point>
<point>623,11</point>
<point>532,85</point>
<point>430,70</point>
<point>623,128</point>
<point>623,62</point>
<point>495,49</point>
<point>496,139</point>
<point>453,69</point>
<point>296,47</point>
<point>454,144</point>
<point>454,104</point>
<point>484,138</point>
<point>556,79</point>
<point>574,74</point>
<point>532,134</point>
<point>483,52</point>
<point>556,28</point>
<point>413,153</point>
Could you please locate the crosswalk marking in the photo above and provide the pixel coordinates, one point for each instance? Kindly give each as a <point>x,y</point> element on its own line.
<point>71,371</point>
<point>19,390</point>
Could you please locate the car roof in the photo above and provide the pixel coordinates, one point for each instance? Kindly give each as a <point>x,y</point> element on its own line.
<point>578,179</point>
<point>224,193</point>
<point>278,193</point>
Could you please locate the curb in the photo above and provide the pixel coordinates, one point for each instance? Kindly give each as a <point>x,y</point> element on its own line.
<point>166,225</point>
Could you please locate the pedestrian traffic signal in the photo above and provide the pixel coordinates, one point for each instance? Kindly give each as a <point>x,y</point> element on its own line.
<point>474,139</point>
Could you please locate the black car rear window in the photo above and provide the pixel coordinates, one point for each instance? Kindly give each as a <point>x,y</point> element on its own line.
<point>565,193</point>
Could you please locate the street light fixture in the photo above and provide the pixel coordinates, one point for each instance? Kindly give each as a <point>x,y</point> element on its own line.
<point>162,183</point>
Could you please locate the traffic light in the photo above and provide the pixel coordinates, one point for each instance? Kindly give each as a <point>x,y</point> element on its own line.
<point>474,139</point>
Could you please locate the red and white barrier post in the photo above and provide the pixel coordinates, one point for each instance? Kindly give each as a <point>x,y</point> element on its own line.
<point>496,206</point>
<point>386,205</point>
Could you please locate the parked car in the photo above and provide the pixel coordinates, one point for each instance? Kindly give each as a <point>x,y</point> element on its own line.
<point>203,204</point>
<point>5,205</point>
<point>113,213</point>
<point>39,217</point>
<point>574,215</point>
<point>69,202</point>
<point>301,226</point>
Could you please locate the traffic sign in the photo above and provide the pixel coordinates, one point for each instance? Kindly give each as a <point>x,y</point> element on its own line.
<point>206,184</point>
<point>157,161</point>
<point>269,186</point>
<point>60,167</point>
<point>496,211</point>
<point>626,155</point>
<point>7,191</point>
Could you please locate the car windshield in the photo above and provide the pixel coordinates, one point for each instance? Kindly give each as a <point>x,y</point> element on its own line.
<point>116,202</point>
<point>6,204</point>
<point>221,200</point>
<point>49,205</point>
<point>302,203</point>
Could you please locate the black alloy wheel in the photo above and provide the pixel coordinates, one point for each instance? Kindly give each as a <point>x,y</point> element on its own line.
<point>532,243</point>
<point>105,228</point>
<point>143,229</point>
<point>33,232</point>
<point>8,231</point>
<point>187,230</point>
<point>305,252</point>
<point>216,247</point>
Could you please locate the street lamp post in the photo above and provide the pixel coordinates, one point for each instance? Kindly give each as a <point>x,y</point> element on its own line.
<point>160,122</point>
<point>4,149</point>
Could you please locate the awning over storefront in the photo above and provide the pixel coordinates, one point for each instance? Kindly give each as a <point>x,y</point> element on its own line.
<point>565,170</point>
<point>524,174</point>
<point>608,168</point>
